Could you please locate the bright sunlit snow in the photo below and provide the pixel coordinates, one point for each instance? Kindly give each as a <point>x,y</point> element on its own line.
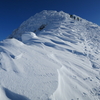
<point>51,56</point>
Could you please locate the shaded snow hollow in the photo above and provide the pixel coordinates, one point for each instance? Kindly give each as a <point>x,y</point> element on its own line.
<point>51,56</point>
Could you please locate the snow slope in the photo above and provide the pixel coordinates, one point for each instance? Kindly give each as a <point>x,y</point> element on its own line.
<point>51,56</point>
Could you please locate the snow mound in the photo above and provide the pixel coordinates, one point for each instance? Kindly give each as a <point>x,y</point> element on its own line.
<point>6,94</point>
<point>27,36</point>
<point>51,56</point>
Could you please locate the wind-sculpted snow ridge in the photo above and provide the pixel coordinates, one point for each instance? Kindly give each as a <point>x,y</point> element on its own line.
<point>51,56</point>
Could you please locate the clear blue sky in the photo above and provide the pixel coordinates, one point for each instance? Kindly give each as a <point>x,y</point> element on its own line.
<point>14,12</point>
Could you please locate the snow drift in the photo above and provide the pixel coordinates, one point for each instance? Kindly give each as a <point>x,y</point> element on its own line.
<point>51,56</point>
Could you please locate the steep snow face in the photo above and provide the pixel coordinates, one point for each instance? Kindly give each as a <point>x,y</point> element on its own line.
<point>51,56</point>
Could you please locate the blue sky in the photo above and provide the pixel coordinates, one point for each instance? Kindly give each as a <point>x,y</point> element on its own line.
<point>14,12</point>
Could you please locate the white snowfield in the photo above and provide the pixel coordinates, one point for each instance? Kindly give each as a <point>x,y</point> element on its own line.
<point>51,56</point>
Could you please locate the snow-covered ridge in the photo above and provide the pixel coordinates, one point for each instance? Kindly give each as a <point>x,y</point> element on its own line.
<point>59,21</point>
<point>60,24</point>
<point>51,56</point>
<point>43,18</point>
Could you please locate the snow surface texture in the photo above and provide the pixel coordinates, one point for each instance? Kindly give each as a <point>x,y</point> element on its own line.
<point>51,56</point>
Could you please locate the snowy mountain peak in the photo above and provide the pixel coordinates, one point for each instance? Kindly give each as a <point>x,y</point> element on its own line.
<point>51,56</point>
<point>40,21</point>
